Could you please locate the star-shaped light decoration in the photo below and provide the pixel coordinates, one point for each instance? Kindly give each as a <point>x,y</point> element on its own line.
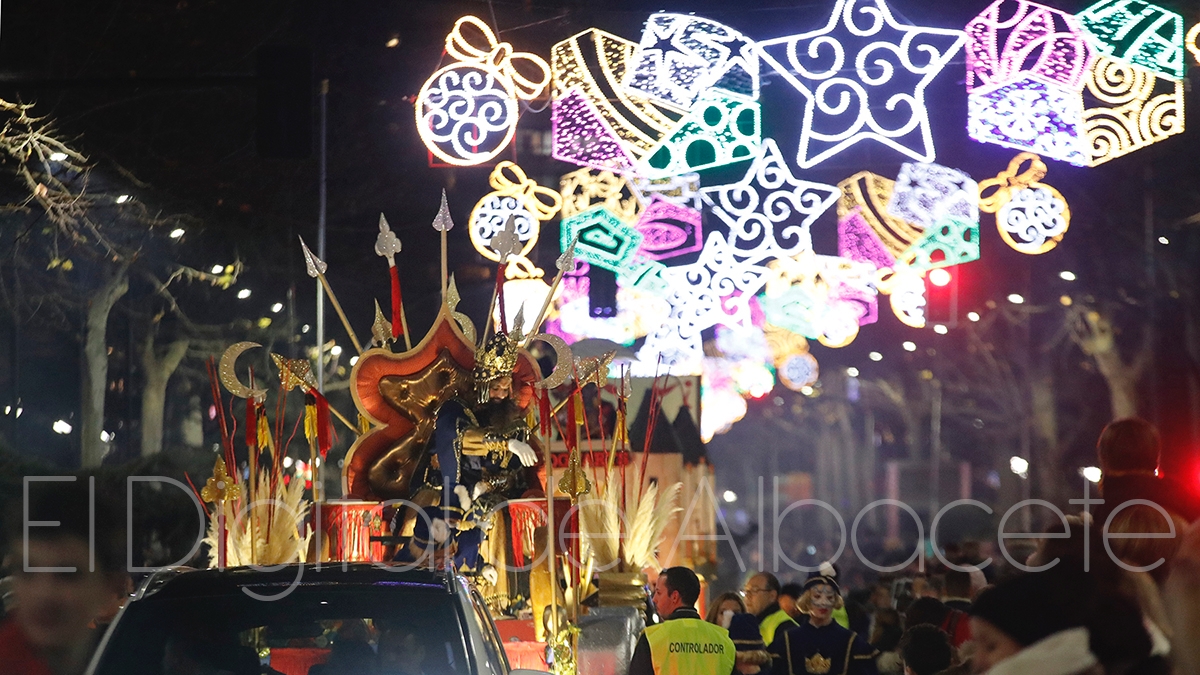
<point>769,212</point>
<point>294,373</point>
<point>716,289</point>
<point>863,77</point>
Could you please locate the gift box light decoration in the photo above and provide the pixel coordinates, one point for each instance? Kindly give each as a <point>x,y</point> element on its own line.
<point>1137,32</point>
<point>1025,68</point>
<point>1015,39</point>
<point>1128,108</point>
<point>719,130</point>
<point>606,127</point>
<point>669,230</point>
<point>604,239</point>
<point>584,189</point>
<point>869,194</point>
<point>952,241</point>
<point>924,193</point>
<point>863,77</point>
<point>1032,217</point>
<point>769,211</point>
<point>681,56</point>
<point>514,194</point>
<point>467,111</point>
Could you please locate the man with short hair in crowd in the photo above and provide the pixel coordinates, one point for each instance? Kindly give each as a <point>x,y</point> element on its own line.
<point>788,595</point>
<point>957,591</point>
<point>57,592</point>
<point>684,643</point>
<point>762,600</point>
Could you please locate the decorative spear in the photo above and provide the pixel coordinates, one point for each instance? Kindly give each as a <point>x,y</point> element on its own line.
<point>316,269</point>
<point>387,245</point>
<point>443,224</point>
<point>566,261</point>
<point>505,243</point>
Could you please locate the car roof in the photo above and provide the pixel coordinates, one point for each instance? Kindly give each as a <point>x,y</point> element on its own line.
<point>182,582</point>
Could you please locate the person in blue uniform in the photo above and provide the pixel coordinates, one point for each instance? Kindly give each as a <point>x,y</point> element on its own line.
<point>819,646</point>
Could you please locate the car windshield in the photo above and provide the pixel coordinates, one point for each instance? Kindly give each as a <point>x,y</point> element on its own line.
<point>382,628</point>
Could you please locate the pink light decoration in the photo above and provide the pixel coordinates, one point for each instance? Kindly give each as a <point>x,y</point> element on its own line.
<point>1012,39</point>
<point>581,136</point>
<point>857,241</point>
<point>669,230</point>
<point>864,302</point>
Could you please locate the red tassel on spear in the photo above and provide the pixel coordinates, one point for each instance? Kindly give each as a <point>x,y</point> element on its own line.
<point>387,245</point>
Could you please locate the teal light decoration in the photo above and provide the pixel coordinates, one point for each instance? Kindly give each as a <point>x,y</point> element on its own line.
<point>952,241</point>
<point>719,130</point>
<point>644,274</point>
<point>794,309</point>
<point>1139,32</point>
<point>604,239</point>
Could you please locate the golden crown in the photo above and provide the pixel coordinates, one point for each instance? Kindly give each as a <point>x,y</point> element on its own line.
<point>817,664</point>
<point>496,359</point>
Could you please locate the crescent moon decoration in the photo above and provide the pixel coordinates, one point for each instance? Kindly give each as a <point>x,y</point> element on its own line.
<point>562,368</point>
<point>229,376</point>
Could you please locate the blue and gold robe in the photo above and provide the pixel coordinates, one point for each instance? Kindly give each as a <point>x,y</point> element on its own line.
<point>828,650</point>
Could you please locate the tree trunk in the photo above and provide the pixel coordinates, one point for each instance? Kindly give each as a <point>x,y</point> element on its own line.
<point>1047,455</point>
<point>1093,332</point>
<point>154,393</point>
<point>94,378</point>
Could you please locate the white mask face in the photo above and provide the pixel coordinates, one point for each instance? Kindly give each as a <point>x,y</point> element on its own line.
<point>821,600</point>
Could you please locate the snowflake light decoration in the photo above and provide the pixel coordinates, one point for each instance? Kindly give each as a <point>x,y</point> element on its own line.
<point>869,194</point>
<point>1032,217</point>
<point>517,195</point>
<point>719,130</point>
<point>1138,32</point>
<point>863,77</point>
<point>467,111</point>
<point>680,56</point>
<point>613,117</point>
<point>587,188</point>
<point>1014,39</point>
<point>924,193</point>
<point>669,230</point>
<point>604,240</point>
<point>769,212</point>
<point>1128,108</point>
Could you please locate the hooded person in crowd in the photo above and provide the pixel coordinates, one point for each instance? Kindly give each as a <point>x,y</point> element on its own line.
<point>1059,622</point>
<point>820,645</point>
<point>752,656</point>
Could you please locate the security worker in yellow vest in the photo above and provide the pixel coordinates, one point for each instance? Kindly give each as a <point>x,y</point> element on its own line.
<point>684,643</point>
<point>762,600</point>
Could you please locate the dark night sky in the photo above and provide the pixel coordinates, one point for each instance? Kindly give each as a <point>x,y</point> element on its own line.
<point>193,143</point>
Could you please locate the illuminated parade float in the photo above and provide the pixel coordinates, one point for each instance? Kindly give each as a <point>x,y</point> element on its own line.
<point>478,435</point>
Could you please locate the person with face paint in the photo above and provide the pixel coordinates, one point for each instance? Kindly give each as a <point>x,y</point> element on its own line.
<point>820,646</point>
